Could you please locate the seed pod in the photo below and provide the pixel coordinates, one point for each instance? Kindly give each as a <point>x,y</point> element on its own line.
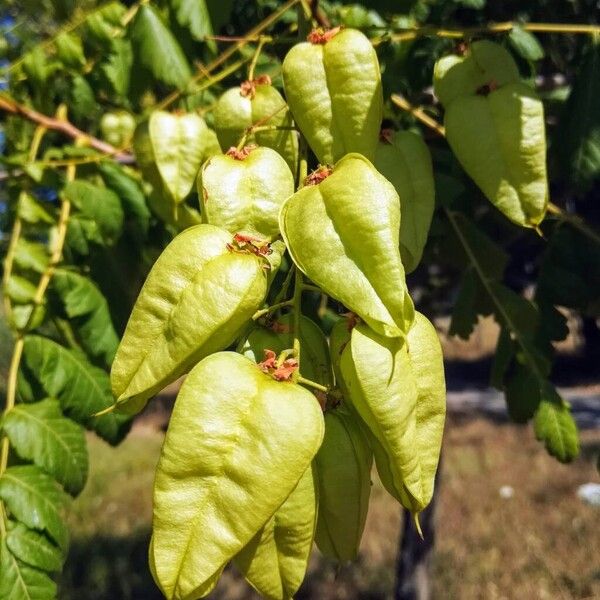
<point>242,191</point>
<point>258,103</point>
<point>279,337</point>
<point>495,127</point>
<point>170,149</point>
<point>397,387</point>
<point>276,559</point>
<point>333,86</point>
<point>343,233</point>
<point>237,445</point>
<point>343,466</point>
<point>198,297</point>
<point>117,128</point>
<point>404,159</point>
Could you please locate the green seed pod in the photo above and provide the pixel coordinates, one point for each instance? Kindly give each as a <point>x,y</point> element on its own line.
<point>397,387</point>
<point>242,191</point>
<point>343,233</point>
<point>276,559</point>
<point>279,337</point>
<point>198,297</point>
<point>170,149</point>
<point>495,127</point>
<point>237,445</point>
<point>404,159</point>
<point>343,466</point>
<point>117,128</point>
<point>333,86</point>
<point>258,103</point>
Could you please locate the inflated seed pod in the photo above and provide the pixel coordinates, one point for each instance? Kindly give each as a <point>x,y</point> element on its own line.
<point>343,466</point>
<point>257,103</point>
<point>342,231</point>
<point>238,444</point>
<point>275,560</point>
<point>333,87</point>
<point>404,159</point>
<point>242,191</point>
<point>495,127</point>
<point>397,387</point>
<point>198,297</point>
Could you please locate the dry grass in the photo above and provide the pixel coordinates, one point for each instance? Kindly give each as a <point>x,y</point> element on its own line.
<point>541,543</point>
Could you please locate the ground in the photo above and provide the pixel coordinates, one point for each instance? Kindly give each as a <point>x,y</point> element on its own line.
<point>540,543</point>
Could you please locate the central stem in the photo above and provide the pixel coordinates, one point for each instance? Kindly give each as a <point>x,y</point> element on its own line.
<point>297,311</point>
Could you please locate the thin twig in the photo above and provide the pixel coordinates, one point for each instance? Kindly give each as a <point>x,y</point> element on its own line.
<point>418,113</point>
<point>9,105</point>
<point>505,27</point>
<point>250,36</point>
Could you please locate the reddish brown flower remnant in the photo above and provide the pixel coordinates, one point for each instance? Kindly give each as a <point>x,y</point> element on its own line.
<point>320,36</point>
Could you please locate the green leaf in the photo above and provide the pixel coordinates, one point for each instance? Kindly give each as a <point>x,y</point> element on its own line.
<point>130,193</point>
<point>467,307</point>
<point>31,211</point>
<point>35,66</point>
<point>570,272</point>
<point>194,15</point>
<point>525,43</point>
<point>99,218</point>
<point>82,99</point>
<point>117,67</point>
<point>179,143</point>
<point>555,426</point>
<point>197,299</point>
<point>40,433</point>
<point>21,582</point>
<point>19,289</point>
<point>70,50</point>
<point>36,500</point>
<point>578,135</point>
<point>33,548</point>
<point>158,50</point>
<point>83,390</point>
<point>88,308</point>
<point>275,560</point>
<point>31,256</point>
<point>253,439</point>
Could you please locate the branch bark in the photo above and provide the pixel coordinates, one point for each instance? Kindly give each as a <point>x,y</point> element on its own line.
<point>11,106</point>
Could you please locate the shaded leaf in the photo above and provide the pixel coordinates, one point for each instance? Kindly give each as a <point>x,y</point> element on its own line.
<point>31,256</point>
<point>157,49</point>
<point>40,433</point>
<point>130,193</point>
<point>36,500</point>
<point>525,43</point>
<point>31,211</point>
<point>33,548</point>
<point>21,582</point>
<point>82,389</point>
<point>578,135</point>
<point>99,218</point>
<point>88,308</point>
<point>70,50</point>
<point>117,68</point>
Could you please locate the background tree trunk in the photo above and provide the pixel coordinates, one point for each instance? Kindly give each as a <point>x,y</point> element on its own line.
<point>413,581</point>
